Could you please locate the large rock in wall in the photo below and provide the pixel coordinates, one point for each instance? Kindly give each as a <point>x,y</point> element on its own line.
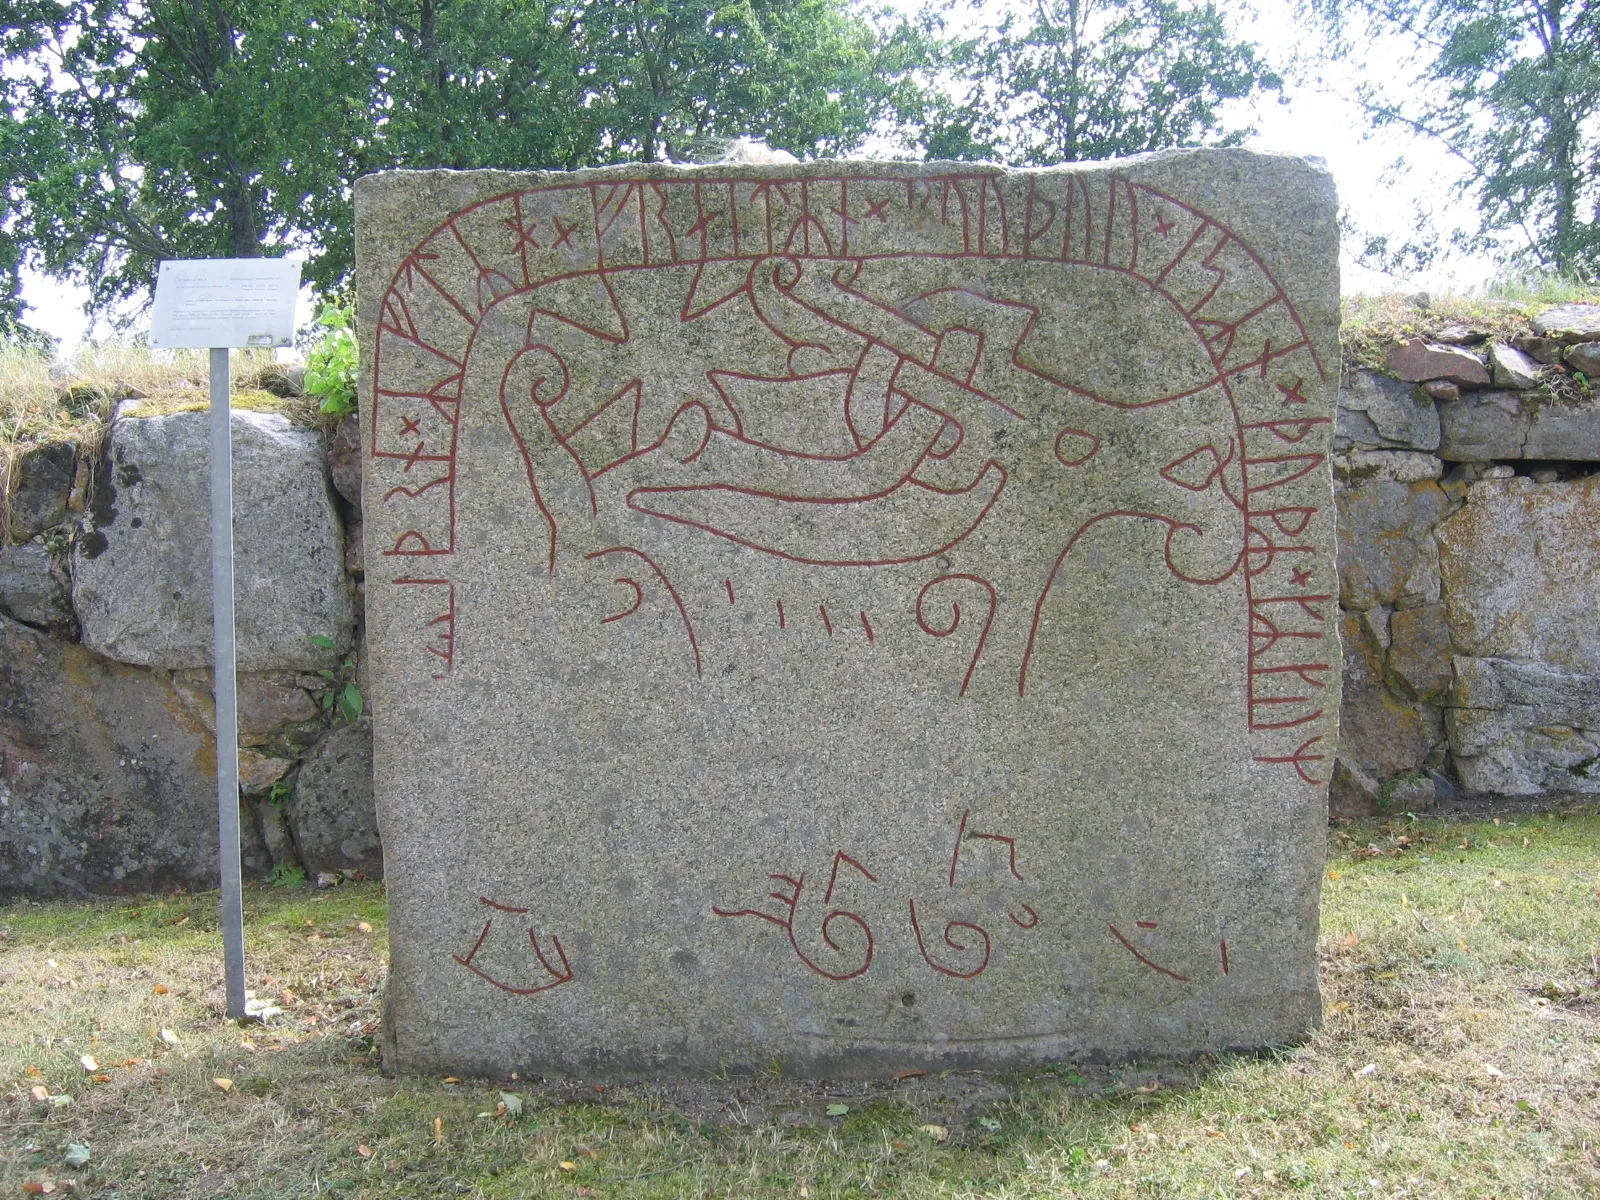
<point>142,567</point>
<point>107,783</point>
<point>1520,563</point>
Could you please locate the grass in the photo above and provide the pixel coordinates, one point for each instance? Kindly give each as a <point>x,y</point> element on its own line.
<point>1371,323</point>
<point>1460,1057</point>
<point>72,400</point>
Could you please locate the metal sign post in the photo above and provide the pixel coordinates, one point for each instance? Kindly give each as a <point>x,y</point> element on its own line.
<point>216,304</point>
<point>226,687</point>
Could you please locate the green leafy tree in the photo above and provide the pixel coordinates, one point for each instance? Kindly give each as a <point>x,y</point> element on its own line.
<point>1068,80</point>
<point>1511,88</point>
<point>145,129</point>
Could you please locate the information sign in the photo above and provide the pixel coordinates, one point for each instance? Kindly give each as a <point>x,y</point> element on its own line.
<point>221,302</point>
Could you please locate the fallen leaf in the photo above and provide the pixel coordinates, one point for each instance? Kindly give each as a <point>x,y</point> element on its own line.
<point>937,1132</point>
<point>87,1062</point>
<point>364,1150</point>
<point>246,1044</point>
<point>512,1103</point>
<point>450,1079</point>
<point>223,1083</point>
<point>438,1131</point>
<point>33,1072</point>
<point>1349,941</point>
<point>184,921</point>
<point>1493,1071</point>
<point>914,1073</point>
<point>101,1078</point>
<point>1210,1132</point>
<point>1462,943</point>
<point>40,1094</point>
<point>363,927</point>
<point>39,1189</point>
<point>588,1153</point>
<point>1369,1069</point>
<point>77,1154</point>
<point>899,1145</point>
<point>566,1165</point>
<point>161,989</point>
<point>168,1037</point>
<point>838,1110</point>
<point>1335,875</point>
<point>989,1123</point>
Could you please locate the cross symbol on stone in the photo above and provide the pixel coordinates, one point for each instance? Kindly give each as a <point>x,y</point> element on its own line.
<point>563,234</point>
<point>1301,576</point>
<point>844,215</point>
<point>1292,394</point>
<point>411,426</point>
<point>524,234</point>
<point>1164,226</point>
<point>875,209</point>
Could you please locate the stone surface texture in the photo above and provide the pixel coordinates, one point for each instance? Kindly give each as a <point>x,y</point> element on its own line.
<point>107,783</point>
<point>1511,368</point>
<point>802,630</point>
<point>1570,322</point>
<point>1378,411</point>
<point>331,811</point>
<point>1520,563</point>
<point>33,587</point>
<point>141,569</point>
<point>38,498</point>
<point>1385,529</point>
<point>1416,361</point>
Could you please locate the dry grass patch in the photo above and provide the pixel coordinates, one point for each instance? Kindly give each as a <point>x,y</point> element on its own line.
<point>1460,1058</point>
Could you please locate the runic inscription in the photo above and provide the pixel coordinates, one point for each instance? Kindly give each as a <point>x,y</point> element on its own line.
<point>839,569</point>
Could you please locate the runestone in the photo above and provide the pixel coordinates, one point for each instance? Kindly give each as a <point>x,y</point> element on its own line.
<point>854,616</point>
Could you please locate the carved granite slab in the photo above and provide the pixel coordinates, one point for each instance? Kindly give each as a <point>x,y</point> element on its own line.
<point>852,615</point>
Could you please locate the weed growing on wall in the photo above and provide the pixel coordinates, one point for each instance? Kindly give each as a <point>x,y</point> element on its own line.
<point>331,361</point>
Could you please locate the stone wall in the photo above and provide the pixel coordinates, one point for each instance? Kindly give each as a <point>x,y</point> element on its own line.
<point>107,749</point>
<point>1469,526</point>
<point>1469,541</point>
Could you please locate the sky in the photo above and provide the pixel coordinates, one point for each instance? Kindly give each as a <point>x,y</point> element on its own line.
<point>1310,120</point>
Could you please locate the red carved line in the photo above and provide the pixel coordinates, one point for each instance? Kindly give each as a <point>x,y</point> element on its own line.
<point>1262,726</point>
<point>867,625</point>
<point>1033,918</point>
<point>413,493</point>
<point>1076,462</point>
<point>728,583</point>
<point>633,502</point>
<point>826,624</point>
<point>1145,924</point>
<point>1298,757</point>
<point>953,944</point>
<point>841,857</point>
<point>638,599</point>
<point>506,908</point>
<point>527,464</point>
<point>1153,966</point>
<point>1224,944</point>
<point>688,625</point>
<point>955,620</point>
<point>562,976</point>
<point>781,622</point>
<point>422,540</point>
<point>955,853</point>
<point>476,946</point>
<point>1173,526</point>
